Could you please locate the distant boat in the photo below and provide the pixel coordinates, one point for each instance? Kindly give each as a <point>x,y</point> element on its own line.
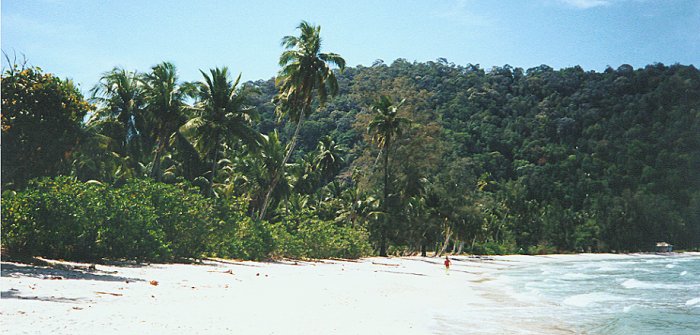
<point>664,247</point>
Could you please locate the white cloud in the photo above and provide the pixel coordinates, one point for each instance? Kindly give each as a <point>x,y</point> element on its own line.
<point>586,4</point>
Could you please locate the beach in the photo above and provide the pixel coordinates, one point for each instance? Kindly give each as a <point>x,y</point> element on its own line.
<point>397,295</point>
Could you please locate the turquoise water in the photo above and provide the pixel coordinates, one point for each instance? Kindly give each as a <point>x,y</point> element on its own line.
<point>646,294</point>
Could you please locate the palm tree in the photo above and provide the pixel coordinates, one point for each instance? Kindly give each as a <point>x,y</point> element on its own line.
<point>305,173</point>
<point>261,169</point>
<point>121,96</point>
<point>330,157</point>
<point>386,125</point>
<point>305,74</point>
<point>416,212</point>
<point>165,99</point>
<point>222,115</point>
<point>356,208</point>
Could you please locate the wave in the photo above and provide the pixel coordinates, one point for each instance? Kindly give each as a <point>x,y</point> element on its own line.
<point>638,284</point>
<point>633,283</point>
<point>693,302</point>
<point>586,299</point>
<point>577,276</point>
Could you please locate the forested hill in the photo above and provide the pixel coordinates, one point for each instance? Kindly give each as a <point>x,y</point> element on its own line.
<point>404,158</point>
<point>569,159</point>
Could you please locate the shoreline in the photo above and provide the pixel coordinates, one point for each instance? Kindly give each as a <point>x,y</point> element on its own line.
<point>407,295</point>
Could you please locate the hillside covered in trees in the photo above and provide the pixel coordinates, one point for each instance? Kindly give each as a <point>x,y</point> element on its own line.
<point>390,159</point>
<point>565,159</point>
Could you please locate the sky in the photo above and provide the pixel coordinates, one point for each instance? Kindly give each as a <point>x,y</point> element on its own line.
<point>81,39</point>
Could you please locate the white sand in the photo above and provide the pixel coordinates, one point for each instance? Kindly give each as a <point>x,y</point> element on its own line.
<point>410,295</point>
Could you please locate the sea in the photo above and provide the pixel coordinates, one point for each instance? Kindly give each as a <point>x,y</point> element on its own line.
<point>640,294</point>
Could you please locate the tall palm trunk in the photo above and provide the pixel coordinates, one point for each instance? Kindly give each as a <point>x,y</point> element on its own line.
<point>155,169</point>
<point>280,171</point>
<point>213,164</point>
<point>382,231</point>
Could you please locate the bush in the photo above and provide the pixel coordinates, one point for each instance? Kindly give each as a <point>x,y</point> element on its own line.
<point>64,218</point>
<point>286,242</point>
<point>236,235</point>
<point>541,249</point>
<point>126,226</point>
<point>183,217</point>
<point>305,236</point>
<point>494,248</point>
<point>53,218</point>
<point>324,239</point>
<point>146,220</point>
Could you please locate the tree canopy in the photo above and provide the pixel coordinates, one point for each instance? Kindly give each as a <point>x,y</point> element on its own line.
<point>393,158</point>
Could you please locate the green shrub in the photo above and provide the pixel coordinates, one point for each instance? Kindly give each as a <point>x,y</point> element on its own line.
<point>541,249</point>
<point>146,220</point>
<point>54,218</point>
<point>494,248</point>
<point>64,218</point>
<point>324,239</point>
<point>254,238</point>
<point>305,236</point>
<point>236,235</point>
<point>127,228</point>
<point>183,217</point>
<point>286,242</point>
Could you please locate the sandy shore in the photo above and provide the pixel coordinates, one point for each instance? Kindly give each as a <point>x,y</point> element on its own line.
<point>409,295</point>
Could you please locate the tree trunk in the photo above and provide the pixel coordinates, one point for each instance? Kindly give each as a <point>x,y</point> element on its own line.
<point>155,169</point>
<point>213,165</point>
<point>382,230</point>
<point>448,234</point>
<point>280,170</point>
<point>423,250</point>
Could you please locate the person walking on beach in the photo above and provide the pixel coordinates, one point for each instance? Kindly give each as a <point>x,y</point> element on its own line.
<point>447,264</point>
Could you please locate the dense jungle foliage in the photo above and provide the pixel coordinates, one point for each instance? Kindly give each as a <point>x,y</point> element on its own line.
<point>510,160</point>
<point>345,162</point>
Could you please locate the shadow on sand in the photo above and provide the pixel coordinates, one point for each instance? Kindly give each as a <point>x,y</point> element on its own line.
<point>43,272</point>
<point>13,294</point>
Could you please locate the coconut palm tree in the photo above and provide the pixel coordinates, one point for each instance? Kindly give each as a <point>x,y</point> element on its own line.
<point>386,126</point>
<point>165,98</point>
<point>305,173</point>
<point>261,168</point>
<point>221,115</point>
<point>120,95</point>
<point>306,73</point>
<point>329,158</point>
<point>356,208</point>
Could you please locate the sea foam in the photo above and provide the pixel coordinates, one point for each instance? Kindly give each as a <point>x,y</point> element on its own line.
<point>638,284</point>
<point>586,299</point>
<point>693,302</point>
<point>577,276</point>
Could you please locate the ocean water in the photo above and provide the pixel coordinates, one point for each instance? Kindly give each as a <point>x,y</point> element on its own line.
<point>643,294</point>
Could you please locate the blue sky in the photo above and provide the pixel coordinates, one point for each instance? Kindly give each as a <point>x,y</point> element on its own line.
<point>81,39</point>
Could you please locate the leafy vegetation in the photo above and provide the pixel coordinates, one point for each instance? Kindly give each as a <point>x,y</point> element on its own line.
<point>41,125</point>
<point>67,219</point>
<point>391,159</point>
<point>537,159</point>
